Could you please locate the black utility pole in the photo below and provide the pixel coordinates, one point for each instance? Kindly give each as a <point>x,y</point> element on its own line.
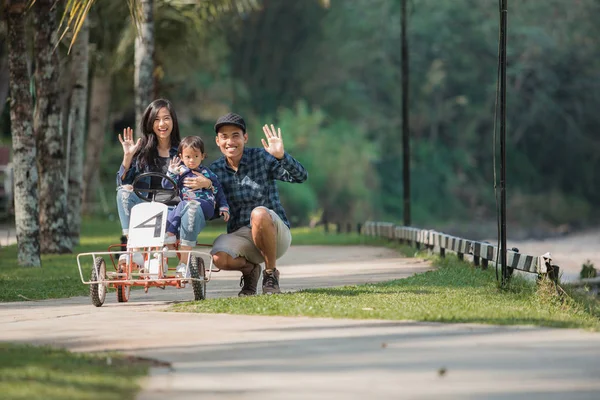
<point>405,130</point>
<point>503,15</point>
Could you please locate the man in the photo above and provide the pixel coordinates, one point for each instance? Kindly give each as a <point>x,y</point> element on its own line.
<point>258,229</point>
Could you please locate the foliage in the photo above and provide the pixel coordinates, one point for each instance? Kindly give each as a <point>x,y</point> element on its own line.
<point>340,161</point>
<point>588,270</point>
<point>347,64</point>
<point>335,69</point>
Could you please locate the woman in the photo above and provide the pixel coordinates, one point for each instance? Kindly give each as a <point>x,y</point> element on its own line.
<point>153,153</point>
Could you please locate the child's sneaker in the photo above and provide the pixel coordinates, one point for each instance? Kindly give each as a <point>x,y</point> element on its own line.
<point>169,252</point>
<point>138,258</point>
<point>182,270</point>
<point>170,239</point>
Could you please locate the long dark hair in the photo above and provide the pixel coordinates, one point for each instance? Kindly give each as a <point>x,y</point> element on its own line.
<point>147,155</point>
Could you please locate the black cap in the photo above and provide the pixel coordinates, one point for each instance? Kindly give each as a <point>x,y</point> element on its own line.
<point>230,119</point>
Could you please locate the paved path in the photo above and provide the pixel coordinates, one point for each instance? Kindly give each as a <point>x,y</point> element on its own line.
<point>246,357</point>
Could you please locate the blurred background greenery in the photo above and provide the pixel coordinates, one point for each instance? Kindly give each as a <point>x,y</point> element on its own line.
<point>329,76</point>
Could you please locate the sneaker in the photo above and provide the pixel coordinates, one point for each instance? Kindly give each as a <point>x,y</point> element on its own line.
<point>182,270</point>
<point>138,258</point>
<point>170,239</point>
<point>249,282</point>
<point>123,243</point>
<point>169,252</point>
<point>270,284</point>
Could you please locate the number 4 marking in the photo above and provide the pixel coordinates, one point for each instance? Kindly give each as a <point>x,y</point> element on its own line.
<point>157,224</point>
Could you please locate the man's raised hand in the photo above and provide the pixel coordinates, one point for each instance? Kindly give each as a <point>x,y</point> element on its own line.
<point>274,143</point>
<point>129,147</point>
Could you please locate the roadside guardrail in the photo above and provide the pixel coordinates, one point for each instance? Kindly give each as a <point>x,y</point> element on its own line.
<point>482,252</point>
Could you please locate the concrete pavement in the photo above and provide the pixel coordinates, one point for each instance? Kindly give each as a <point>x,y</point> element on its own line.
<point>255,357</point>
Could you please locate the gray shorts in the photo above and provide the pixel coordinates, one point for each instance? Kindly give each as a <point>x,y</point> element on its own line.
<point>240,244</point>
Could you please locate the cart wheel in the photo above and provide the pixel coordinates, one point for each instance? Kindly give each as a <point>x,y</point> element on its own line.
<point>123,291</point>
<point>198,271</point>
<point>98,290</point>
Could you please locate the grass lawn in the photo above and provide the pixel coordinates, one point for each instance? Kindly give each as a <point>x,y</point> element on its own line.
<point>455,292</point>
<point>59,276</point>
<point>28,372</point>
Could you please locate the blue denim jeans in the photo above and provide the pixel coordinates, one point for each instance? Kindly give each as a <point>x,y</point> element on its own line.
<point>176,214</point>
<point>192,222</point>
<point>192,217</point>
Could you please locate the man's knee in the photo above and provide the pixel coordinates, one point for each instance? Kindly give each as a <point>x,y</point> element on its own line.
<point>260,216</point>
<point>222,260</point>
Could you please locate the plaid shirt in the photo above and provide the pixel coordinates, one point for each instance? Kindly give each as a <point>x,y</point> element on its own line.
<point>253,184</point>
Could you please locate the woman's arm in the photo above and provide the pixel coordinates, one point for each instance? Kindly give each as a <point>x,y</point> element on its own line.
<point>129,149</point>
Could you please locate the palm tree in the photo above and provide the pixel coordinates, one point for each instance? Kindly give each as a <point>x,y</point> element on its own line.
<point>105,60</point>
<point>144,63</point>
<point>54,235</point>
<point>114,42</point>
<point>23,141</point>
<point>76,130</point>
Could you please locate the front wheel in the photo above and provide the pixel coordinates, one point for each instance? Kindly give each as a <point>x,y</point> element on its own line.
<point>198,271</point>
<point>123,290</point>
<point>98,290</point>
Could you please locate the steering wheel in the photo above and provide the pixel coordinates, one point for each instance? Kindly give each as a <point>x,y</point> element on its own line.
<point>152,192</point>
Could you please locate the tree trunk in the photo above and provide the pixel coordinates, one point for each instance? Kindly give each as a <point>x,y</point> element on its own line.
<point>54,233</point>
<point>23,141</point>
<point>4,78</point>
<point>99,112</point>
<point>76,129</point>
<point>144,63</point>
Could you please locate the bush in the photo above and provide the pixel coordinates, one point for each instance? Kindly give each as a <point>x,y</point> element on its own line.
<point>588,270</point>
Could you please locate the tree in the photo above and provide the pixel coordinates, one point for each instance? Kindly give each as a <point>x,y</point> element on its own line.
<point>107,57</point>
<point>54,233</point>
<point>144,63</point>
<point>113,40</point>
<point>23,141</point>
<point>76,130</point>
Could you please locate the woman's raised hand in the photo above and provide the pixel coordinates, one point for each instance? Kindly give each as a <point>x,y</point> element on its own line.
<point>129,147</point>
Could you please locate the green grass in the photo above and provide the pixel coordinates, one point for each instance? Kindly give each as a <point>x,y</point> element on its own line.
<point>455,292</point>
<point>59,276</point>
<point>28,372</point>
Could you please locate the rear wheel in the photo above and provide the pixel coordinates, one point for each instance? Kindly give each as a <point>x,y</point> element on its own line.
<point>98,290</point>
<point>123,290</point>
<point>198,271</point>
